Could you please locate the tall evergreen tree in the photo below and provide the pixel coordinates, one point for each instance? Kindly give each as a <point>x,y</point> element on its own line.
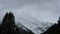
<point>8,24</point>
<point>5,18</point>
<point>4,23</point>
<point>9,27</point>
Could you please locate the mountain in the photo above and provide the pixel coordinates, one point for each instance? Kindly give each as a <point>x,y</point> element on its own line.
<point>54,29</point>
<point>34,25</point>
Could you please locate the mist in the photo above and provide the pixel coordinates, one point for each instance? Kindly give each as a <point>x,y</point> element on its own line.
<point>42,10</point>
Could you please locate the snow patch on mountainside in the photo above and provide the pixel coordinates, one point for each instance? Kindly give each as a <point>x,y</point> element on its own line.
<point>33,24</point>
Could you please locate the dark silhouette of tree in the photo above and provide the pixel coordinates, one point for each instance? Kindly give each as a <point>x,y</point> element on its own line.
<point>8,26</point>
<point>54,29</point>
<point>4,23</point>
<point>5,18</point>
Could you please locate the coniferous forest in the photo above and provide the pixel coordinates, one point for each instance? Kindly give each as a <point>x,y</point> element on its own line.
<point>8,26</point>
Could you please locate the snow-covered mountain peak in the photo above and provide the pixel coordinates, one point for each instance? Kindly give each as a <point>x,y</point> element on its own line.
<point>33,24</point>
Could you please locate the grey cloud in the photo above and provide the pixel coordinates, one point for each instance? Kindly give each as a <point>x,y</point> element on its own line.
<point>43,10</point>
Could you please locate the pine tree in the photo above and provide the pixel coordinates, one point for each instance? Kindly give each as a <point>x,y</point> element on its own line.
<point>9,27</point>
<point>5,18</point>
<point>4,24</point>
<point>9,24</point>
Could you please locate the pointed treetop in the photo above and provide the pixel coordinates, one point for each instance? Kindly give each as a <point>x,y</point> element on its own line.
<point>59,21</point>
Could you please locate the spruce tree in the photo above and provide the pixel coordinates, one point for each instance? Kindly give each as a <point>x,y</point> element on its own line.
<point>9,27</point>
<point>4,24</point>
<point>9,24</point>
<point>5,18</point>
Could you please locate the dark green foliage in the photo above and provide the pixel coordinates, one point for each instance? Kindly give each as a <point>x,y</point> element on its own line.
<point>5,19</point>
<point>8,26</point>
<point>54,29</point>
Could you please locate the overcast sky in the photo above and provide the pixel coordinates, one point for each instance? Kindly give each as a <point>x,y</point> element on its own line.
<point>42,10</point>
